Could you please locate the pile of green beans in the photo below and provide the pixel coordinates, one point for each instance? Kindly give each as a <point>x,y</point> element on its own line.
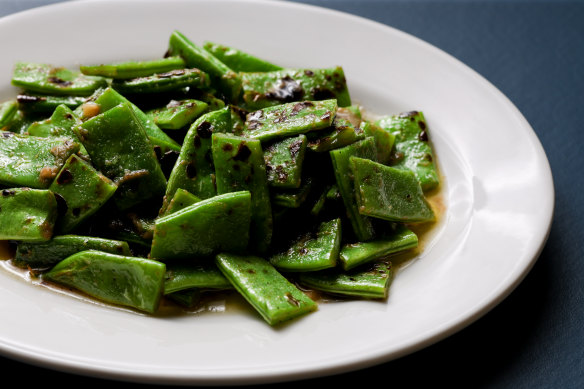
<point>208,170</point>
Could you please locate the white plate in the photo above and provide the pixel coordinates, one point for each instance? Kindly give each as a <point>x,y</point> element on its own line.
<point>499,196</point>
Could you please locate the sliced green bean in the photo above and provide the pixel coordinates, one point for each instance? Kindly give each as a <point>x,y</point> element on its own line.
<point>193,170</point>
<point>274,297</point>
<point>32,161</point>
<point>412,148</point>
<point>292,198</point>
<point>134,69</point>
<point>8,111</point>
<point>119,147</point>
<point>27,214</point>
<point>290,119</point>
<point>204,228</point>
<point>356,254</point>
<point>106,99</point>
<point>342,133</point>
<point>239,165</point>
<point>180,200</point>
<point>47,79</point>
<point>312,251</point>
<point>129,281</point>
<point>340,157</point>
<point>264,89</point>
<point>36,103</point>
<point>228,81</point>
<point>163,82</point>
<point>84,191</point>
<point>205,275</point>
<point>284,161</point>
<point>384,141</point>
<point>238,60</point>
<point>60,124</point>
<point>371,283</point>
<point>388,193</point>
<point>47,254</point>
<point>177,114</point>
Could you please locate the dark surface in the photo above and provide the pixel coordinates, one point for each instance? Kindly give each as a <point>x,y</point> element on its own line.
<point>534,53</point>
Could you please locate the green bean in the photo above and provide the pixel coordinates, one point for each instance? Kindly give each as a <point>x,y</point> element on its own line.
<point>47,79</point>
<point>84,191</point>
<point>312,251</point>
<point>46,254</point>
<point>284,161</point>
<point>264,89</point>
<point>290,119</point>
<point>274,297</point>
<point>119,147</point>
<point>237,60</point>
<point>134,69</point>
<point>204,228</point>
<point>128,281</point>
<point>412,148</point>
<point>177,114</point>
<point>30,161</point>
<point>27,214</point>
<point>239,165</point>
<point>370,283</point>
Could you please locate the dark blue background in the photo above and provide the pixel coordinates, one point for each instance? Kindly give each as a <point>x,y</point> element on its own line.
<point>533,51</point>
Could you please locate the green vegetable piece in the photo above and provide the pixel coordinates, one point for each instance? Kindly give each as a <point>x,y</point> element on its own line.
<point>383,141</point>
<point>340,157</point>
<point>163,82</point>
<point>47,254</point>
<point>180,200</point>
<point>284,161</point>
<point>220,223</point>
<point>274,297</point>
<point>238,60</point>
<point>353,255</point>
<point>177,114</point>
<point>123,280</point>
<point>412,148</point>
<point>21,121</point>
<point>47,79</point>
<point>238,116</point>
<point>84,191</point>
<point>292,198</point>
<point>388,193</point>
<point>312,252</point>
<point>205,275</point>
<point>60,124</point>
<point>188,298</point>
<point>31,161</point>
<point>372,283</point>
<point>36,103</point>
<point>239,165</point>
<point>134,69</point>
<point>342,133</point>
<point>193,170</point>
<point>27,214</point>
<point>228,81</point>
<point>8,111</point>
<point>119,147</point>
<point>108,98</point>
<point>290,119</point>
<point>264,89</point>
<point>319,205</point>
